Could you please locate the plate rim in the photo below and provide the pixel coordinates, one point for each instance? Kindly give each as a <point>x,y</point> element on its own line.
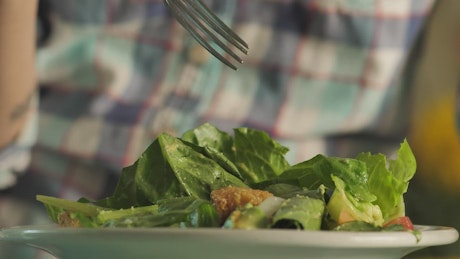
<point>430,236</point>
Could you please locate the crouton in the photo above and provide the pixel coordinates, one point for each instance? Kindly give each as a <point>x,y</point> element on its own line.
<point>65,220</point>
<point>229,198</point>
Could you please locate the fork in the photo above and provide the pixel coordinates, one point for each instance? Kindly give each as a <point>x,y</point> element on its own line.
<point>207,28</point>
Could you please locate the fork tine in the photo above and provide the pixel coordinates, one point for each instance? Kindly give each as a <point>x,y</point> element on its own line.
<point>218,25</point>
<point>198,22</point>
<point>195,33</point>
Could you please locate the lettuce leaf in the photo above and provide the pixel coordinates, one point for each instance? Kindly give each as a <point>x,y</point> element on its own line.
<point>169,168</point>
<point>186,212</point>
<point>320,169</point>
<point>343,202</point>
<point>171,182</point>
<point>300,212</point>
<point>207,135</point>
<point>258,157</point>
<point>389,180</point>
<point>247,217</point>
<point>214,144</point>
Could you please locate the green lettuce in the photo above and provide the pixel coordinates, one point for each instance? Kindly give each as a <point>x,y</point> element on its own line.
<point>184,212</point>
<point>247,217</point>
<point>259,157</point>
<point>300,212</point>
<point>171,182</point>
<point>343,202</point>
<point>169,167</point>
<point>389,179</point>
<point>320,169</point>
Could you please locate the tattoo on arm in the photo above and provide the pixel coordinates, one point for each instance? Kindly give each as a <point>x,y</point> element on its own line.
<point>21,109</point>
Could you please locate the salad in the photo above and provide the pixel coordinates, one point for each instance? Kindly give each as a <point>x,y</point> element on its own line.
<point>209,178</point>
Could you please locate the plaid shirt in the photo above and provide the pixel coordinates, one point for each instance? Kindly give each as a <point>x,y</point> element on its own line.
<point>322,76</point>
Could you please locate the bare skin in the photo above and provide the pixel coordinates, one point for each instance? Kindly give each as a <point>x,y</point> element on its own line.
<point>17,65</point>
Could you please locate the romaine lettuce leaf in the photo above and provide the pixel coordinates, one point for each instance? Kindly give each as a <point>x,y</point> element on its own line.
<point>300,212</point>
<point>389,180</point>
<point>127,194</point>
<point>247,217</point>
<point>185,212</point>
<point>171,182</point>
<point>207,135</point>
<point>319,170</point>
<point>149,179</point>
<point>343,206</point>
<point>197,174</point>
<point>258,157</point>
<point>169,168</point>
<point>56,206</point>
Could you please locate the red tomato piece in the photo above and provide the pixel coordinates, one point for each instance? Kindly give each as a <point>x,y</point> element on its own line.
<point>404,221</point>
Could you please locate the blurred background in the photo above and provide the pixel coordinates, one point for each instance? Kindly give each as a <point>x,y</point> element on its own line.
<point>336,77</point>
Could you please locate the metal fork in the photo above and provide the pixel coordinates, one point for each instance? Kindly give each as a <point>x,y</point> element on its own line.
<point>207,28</point>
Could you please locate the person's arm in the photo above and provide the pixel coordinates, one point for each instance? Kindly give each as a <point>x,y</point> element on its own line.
<point>17,65</point>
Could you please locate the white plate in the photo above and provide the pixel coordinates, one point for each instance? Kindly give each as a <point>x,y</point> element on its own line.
<point>167,243</point>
